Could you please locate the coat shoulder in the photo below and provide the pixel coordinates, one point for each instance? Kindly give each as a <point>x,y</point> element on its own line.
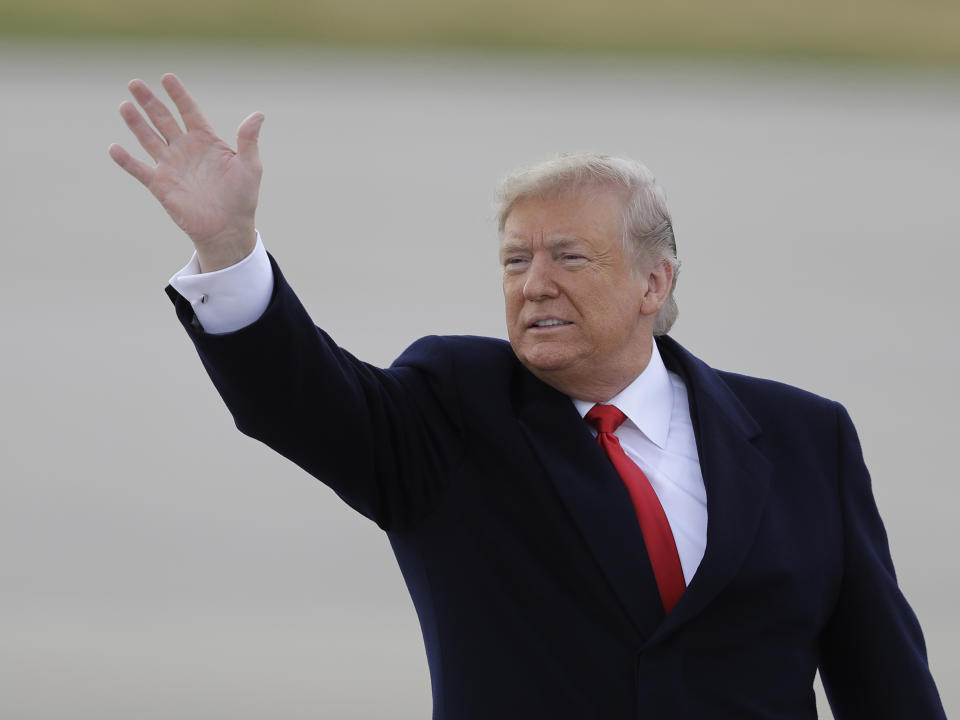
<point>468,353</point>
<point>759,392</point>
<point>745,397</point>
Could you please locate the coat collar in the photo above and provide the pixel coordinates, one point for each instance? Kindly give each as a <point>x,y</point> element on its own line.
<point>735,474</point>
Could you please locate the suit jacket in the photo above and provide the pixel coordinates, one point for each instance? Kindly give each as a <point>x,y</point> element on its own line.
<point>521,550</point>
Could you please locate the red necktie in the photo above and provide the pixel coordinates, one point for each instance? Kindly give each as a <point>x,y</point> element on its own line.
<point>653,521</point>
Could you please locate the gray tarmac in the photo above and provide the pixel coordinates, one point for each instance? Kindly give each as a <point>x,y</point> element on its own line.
<point>156,564</point>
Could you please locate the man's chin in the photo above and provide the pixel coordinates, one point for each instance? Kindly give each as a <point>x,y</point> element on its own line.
<point>544,364</point>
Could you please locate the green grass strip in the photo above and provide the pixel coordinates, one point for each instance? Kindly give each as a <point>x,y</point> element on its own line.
<point>915,31</point>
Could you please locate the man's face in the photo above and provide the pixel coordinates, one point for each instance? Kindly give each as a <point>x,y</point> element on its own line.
<point>574,299</point>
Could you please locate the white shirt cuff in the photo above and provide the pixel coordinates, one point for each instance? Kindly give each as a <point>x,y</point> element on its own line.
<point>228,299</point>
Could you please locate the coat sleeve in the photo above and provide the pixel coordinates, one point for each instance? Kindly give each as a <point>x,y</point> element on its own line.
<point>873,659</point>
<point>384,440</point>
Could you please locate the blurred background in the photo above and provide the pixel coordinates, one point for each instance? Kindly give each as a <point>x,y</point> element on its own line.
<point>156,564</point>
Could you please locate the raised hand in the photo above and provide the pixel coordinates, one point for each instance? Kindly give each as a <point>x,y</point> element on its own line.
<point>208,189</point>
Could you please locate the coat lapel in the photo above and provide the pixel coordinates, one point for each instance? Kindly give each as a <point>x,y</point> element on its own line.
<point>736,476</point>
<point>593,494</point>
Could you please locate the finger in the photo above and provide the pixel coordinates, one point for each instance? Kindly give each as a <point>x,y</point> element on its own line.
<point>193,118</point>
<point>141,171</point>
<point>247,136</point>
<point>146,135</point>
<point>158,113</point>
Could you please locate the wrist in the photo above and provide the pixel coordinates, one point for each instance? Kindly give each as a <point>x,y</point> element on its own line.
<point>225,250</point>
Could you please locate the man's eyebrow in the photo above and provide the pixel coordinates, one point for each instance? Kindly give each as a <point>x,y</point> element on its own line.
<point>512,246</point>
<point>561,242</point>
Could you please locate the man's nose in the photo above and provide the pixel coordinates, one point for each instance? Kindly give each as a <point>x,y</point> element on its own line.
<point>540,283</point>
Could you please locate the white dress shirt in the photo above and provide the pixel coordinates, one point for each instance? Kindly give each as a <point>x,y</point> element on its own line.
<point>657,434</point>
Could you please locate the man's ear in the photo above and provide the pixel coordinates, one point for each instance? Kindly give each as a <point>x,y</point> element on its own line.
<point>659,282</point>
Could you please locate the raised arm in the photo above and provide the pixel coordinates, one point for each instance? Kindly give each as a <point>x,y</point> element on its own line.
<point>208,188</point>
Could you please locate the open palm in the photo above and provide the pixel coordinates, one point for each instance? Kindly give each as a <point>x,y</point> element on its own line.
<point>208,189</point>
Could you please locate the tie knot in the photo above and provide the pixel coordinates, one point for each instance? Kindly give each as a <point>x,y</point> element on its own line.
<point>605,418</point>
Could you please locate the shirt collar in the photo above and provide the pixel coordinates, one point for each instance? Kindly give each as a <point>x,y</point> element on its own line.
<point>647,401</point>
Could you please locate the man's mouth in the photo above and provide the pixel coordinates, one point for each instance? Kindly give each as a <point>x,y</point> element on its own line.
<point>550,323</point>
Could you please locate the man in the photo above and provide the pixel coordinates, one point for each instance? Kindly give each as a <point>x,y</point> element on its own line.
<point>592,523</point>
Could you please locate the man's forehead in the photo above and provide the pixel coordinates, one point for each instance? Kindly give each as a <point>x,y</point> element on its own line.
<point>555,228</point>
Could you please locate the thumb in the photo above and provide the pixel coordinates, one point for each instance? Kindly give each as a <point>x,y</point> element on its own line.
<point>247,135</point>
